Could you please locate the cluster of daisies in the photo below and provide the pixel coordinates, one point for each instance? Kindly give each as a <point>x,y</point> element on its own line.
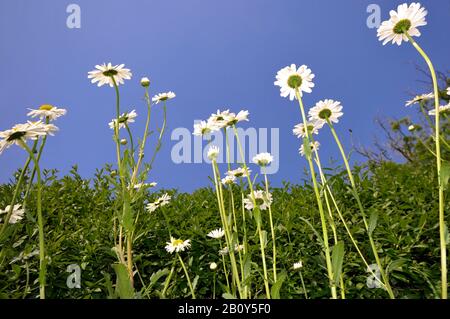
<point>19,134</point>
<point>218,121</point>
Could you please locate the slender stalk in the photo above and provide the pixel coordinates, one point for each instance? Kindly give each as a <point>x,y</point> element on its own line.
<point>161,133</point>
<point>187,276</point>
<point>225,271</point>
<point>272,230</point>
<point>42,271</point>
<point>166,284</point>
<point>303,285</point>
<point>144,138</point>
<point>258,220</point>
<point>319,201</point>
<point>226,228</point>
<point>442,229</point>
<point>361,208</point>
<point>330,214</point>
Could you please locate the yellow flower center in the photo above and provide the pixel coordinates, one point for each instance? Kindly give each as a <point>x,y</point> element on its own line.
<point>46,107</point>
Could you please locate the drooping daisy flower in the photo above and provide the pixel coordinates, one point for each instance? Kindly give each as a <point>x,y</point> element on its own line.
<point>47,111</point>
<point>313,128</point>
<point>145,82</point>
<point>228,180</point>
<point>213,152</point>
<point>216,233</point>
<point>298,265</point>
<point>290,78</point>
<point>314,147</point>
<point>124,120</point>
<point>22,132</point>
<point>326,109</point>
<point>405,20</point>
<point>105,74</point>
<point>177,245</point>
<point>263,159</point>
<point>160,202</point>
<point>442,109</point>
<point>161,97</point>
<point>16,215</point>
<point>239,172</point>
<point>204,128</point>
<point>263,200</point>
<point>420,98</point>
<point>238,248</point>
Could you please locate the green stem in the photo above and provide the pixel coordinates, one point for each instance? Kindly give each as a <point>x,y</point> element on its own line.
<point>166,284</point>
<point>42,271</point>
<point>144,138</point>
<point>303,285</point>
<point>319,201</point>
<point>272,230</point>
<point>158,144</point>
<point>187,276</point>
<point>258,220</point>
<point>442,228</point>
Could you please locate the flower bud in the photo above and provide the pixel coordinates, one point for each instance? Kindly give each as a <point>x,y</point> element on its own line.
<point>213,266</point>
<point>123,141</point>
<point>145,82</point>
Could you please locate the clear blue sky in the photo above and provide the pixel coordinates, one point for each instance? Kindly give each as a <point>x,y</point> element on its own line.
<point>213,54</point>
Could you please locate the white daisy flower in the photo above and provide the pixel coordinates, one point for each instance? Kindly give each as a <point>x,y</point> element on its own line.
<point>448,91</point>
<point>177,245</point>
<point>326,109</point>
<point>420,98</point>
<point>213,152</point>
<point>221,119</point>
<point>405,20</point>
<point>298,265</point>
<point>106,72</point>
<point>290,78</point>
<point>16,215</point>
<point>262,159</point>
<point>213,266</point>
<point>314,147</point>
<point>204,128</point>
<point>411,128</point>
<point>145,82</point>
<point>216,233</point>
<point>442,109</point>
<point>313,128</point>
<point>124,120</point>
<point>47,111</point>
<point>233,119</point>
<point>160,202</point>
<point>138,186</point>
<point>238,248</point>
<point>224,251</point>
<point>21,132</point>
<point>228,180</point>
<point>263,200</point>
<point>239,172</point>
<point>161,97</point>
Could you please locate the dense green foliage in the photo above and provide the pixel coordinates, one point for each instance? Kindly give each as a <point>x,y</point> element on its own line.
<point>78,230</point>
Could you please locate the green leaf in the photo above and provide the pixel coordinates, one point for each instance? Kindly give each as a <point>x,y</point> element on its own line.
<point>275,290</point>
<point>157,275</point>
<point>337,260</point>
<point>124,289</point>
<point>445,174</point>
<point>373,219</point>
